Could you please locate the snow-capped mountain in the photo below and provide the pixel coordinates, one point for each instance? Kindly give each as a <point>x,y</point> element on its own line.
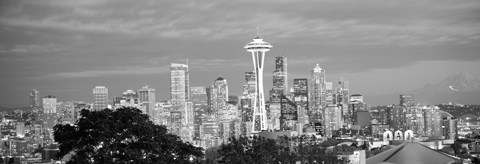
<point>460,88</point>
<point>462,82</point>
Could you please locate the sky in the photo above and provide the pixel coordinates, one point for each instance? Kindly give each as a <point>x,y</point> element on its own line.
<point>66,47</point>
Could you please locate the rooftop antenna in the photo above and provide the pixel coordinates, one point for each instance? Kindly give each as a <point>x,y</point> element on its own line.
<point>187,61</point>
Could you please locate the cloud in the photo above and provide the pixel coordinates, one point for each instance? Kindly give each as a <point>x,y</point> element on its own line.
<point>31,48</point>
<point>111,72</point>
<point>214,65</point>
<point>370,23</point>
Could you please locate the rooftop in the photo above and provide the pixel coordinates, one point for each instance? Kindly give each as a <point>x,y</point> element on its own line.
<point>411,153</point>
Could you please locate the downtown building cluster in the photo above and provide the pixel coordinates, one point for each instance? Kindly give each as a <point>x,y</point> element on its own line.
<point>208,115</point>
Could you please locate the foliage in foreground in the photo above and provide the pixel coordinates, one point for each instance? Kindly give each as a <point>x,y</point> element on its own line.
<point>245,150</point>
<point>121,136</point>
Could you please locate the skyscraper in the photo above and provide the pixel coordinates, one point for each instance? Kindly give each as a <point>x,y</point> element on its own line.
<point>332,119</point>
<point>343,92</point>
<point>49,104</point>
<point>34,99</point>
<point>329,93</point>
<point>317,93</point>
<point>220,97</point>
<point>199,99</point>
<point>288,115</point>
<point>146,99</point>
<point>280,79</point>
<point>280,87</point>
<point>300,97</point>
<point>258,48</point>
<point>179,85</point>
<point>198,95</point>
<point>129,99</point>
<point>210,91</point>
<point>100,96</point>
<point>249,85</point>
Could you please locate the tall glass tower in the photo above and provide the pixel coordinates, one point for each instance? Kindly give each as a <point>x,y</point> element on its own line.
<point>34,99</point>
<point>280,80</point>
<point>179,85</point>
<point>258,48</point>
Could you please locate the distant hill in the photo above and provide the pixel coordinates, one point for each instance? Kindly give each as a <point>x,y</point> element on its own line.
<point>9,109</point>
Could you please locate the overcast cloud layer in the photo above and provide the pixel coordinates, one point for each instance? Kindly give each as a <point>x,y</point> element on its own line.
<point>66,47</point>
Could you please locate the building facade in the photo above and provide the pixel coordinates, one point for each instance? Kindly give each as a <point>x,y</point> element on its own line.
<point>179,85</point>
<point>220,95</point>
<point>300,97</point>
<point>332,120</point>
<point>288,115</point>
<point>146,99</point>
<point>317,94</point>
<point>49,104</point>
<point>100,96</point>
<point>34,99</point>
<point>280,79</point>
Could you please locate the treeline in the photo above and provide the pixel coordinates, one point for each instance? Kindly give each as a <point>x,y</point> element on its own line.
<point>282,150</point>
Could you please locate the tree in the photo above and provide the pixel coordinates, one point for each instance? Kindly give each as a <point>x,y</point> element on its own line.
<point>235,151</point>
<point>253,150</point>
<point>121,136</point>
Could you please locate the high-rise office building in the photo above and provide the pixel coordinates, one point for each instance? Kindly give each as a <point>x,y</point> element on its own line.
<point>199,99</point>
<point>129,98</point>
<point>146,99</point>
<point>300,97</point>
<point>280,79</point>
<point>329,95</point>
<point>100,96</point>
<point>433,121</point>
<point>258,48</point>
<point>356,105</point>
<point>407,100</point>
<point>318,87</point>
<point>49,104</point>
<point>288,115</point>
<point>188,114</point>
<point>247,101</point>
<point>249,84</point>
<point>317,93</point>
<point>414,120</point>
<point>199,95</point>
<point>34,99</point>
<point>246,108</point>
<point>332,119</point>
<point>280,87</point>
<point>210,95</point>
<point>342,93</point>
<point>449,128</point>
<point>179,85</point>
<point>220,97</point>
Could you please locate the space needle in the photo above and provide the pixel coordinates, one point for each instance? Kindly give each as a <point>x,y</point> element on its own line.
<point>258,48</point>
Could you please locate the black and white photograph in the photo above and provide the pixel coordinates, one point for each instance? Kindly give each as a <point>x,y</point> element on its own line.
<point>240,82</point>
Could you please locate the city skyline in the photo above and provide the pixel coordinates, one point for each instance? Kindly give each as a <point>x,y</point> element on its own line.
<point>67,48</point>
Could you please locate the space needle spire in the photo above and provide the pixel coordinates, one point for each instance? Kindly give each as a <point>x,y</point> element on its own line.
<point>258,48</point>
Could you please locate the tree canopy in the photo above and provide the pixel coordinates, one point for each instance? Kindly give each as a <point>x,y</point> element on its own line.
<point>282,150</point>
<point>121,136</point>
<point>253,150</point>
